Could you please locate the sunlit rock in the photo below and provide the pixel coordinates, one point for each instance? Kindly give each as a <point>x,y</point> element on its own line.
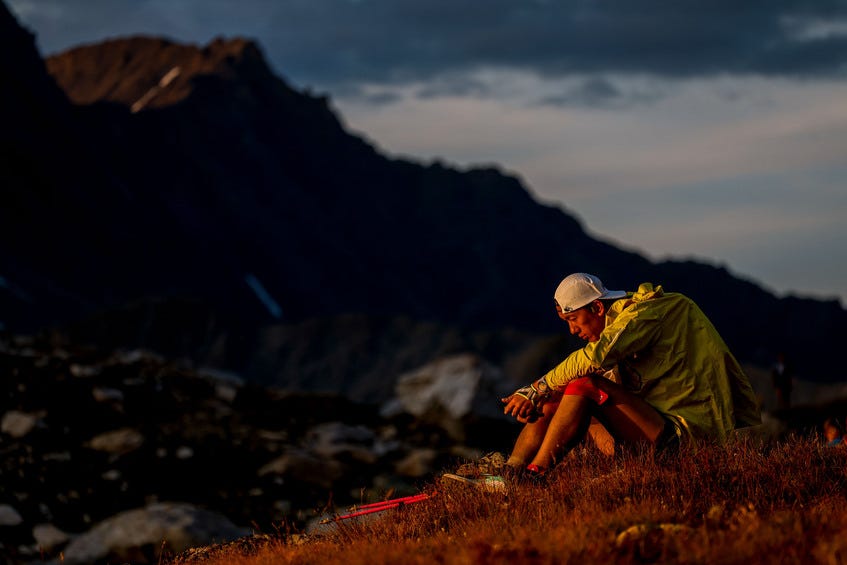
<point>449,391</point>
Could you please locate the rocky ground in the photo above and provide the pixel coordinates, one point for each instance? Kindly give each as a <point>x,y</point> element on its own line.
<point>125,455</point>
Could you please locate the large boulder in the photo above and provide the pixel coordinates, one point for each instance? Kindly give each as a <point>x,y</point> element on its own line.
<point>141,535</point>
<point>450,392</point>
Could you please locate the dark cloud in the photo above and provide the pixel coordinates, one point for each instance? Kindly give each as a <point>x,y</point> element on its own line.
<point>454,85</point>
<point>593,92</point>
<point>333,42</point>
<point>382,98</point>
<point>599,92</point>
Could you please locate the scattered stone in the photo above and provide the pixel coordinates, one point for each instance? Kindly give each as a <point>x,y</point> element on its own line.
<point>304,446</point>
<point>9,516</point>
<point>271,435</point>
<point>302,466</point>
<point>84,371</point>
<point>226,392</point>
<point>335,439</point>
<point>48,537</point>
<point>111,475</point>
<point>103,394</point>
<point>18,424</point>
<point>117,442</point>
<point>417,464</point>
<point>134,356</point>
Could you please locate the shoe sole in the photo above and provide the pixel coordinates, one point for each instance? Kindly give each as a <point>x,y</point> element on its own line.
<point>489,484</point>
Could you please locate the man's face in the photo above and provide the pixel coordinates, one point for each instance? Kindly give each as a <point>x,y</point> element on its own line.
<point>583,322</point>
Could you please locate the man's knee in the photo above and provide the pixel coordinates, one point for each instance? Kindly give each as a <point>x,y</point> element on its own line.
<point>593,387</point>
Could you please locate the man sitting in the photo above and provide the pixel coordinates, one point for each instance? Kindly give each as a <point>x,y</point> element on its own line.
<point>655,371</point>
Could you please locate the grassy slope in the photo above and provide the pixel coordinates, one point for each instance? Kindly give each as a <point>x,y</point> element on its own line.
<point>745,503</point>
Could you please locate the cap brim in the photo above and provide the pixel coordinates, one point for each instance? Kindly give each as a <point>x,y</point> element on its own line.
<point>611,294</point>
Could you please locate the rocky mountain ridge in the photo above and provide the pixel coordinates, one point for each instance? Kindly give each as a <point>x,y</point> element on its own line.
<point>163,180</point>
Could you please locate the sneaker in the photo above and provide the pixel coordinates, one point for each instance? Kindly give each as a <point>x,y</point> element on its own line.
<point>489,464</point>
<point>529,475</point>
<point>488,483</point>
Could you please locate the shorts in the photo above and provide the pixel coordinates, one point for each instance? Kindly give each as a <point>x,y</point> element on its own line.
<point>669,440</point>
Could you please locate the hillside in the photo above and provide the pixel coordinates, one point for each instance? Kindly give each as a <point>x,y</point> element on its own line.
<point>744,504</point>
<point>149,184</point>
<point>123,456</point>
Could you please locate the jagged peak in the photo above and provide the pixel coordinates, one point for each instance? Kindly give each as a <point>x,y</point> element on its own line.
<point>145,72</point>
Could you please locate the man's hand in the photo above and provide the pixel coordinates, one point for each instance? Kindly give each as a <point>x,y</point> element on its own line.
<point>520,407</point>
<point>525,403</point>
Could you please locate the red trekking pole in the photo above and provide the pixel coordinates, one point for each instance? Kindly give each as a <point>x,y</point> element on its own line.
<point>378,507</point>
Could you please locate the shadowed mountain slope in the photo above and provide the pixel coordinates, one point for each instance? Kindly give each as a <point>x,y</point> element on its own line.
<point>179,171</point>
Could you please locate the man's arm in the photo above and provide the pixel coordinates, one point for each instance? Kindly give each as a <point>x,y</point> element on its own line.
<point>526,402</point>
<point>628,334</point>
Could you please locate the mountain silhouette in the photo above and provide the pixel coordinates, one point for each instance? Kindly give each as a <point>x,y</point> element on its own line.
<point>141,169</point>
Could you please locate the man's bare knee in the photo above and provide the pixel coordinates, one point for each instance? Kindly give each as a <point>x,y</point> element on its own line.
<point>626,416</point>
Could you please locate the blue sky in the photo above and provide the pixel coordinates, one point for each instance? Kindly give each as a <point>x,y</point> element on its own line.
<point>714,130</point>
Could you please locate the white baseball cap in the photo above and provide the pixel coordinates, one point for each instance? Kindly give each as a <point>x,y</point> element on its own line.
<point>579,289</point>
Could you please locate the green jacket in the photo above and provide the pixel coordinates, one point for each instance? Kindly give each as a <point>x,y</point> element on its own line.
<point>664,349</point>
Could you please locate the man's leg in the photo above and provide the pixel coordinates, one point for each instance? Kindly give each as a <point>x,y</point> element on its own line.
<point>626,417</point>
<point>531,437</point>
<point>601,437</point>
<point>567,427</point>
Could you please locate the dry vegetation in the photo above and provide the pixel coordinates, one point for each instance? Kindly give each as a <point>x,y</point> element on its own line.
<point>749,503</point>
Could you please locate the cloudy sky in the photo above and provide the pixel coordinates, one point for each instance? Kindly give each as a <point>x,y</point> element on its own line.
<point>714,129</point>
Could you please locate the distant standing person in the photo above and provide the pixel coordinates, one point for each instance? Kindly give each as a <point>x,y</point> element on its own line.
<point>783,381</point>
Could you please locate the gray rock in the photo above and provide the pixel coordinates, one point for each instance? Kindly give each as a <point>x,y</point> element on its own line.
<point>18,424</point>
<point>335,439</point>
<point>179,526</point>
<point>221,375</point>
<point>84,371</point>
<point>226,392</point>
<point>449,391</point>
<point>105,394</point>
<point>48,537</point>
<point>305,467</point>
<point>9,516</point>
<point>417,463</point>
<point>111,475</point>
<point>117,442</point>
<point>134,356</point>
